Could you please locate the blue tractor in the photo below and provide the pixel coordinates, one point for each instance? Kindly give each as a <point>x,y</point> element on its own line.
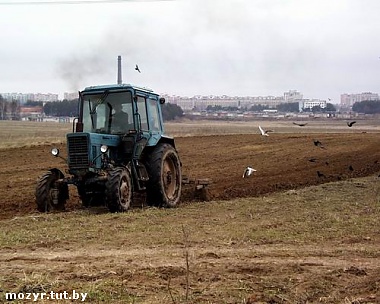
<point>117,148</point>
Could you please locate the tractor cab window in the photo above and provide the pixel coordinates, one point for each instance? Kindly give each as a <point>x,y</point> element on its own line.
<point>154,117</point>
<point>94,115</point>
<point>141,106</point>
<point>108,113</point>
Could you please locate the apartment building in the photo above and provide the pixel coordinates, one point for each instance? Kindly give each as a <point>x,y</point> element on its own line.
<point>201,103</point>
<point>310,103</point>
<point>23,98</point>
<point>348,100</point>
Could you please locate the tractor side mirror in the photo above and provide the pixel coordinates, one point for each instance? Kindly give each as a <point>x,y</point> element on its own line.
<point>162,100</point>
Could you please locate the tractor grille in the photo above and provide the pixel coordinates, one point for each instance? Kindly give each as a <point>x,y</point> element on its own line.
<point>78,152</point>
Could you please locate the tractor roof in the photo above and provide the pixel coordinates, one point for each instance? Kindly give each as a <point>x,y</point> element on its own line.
<point>117,87</point>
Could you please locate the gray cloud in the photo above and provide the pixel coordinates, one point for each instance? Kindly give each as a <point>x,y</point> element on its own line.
<point>241,47</point>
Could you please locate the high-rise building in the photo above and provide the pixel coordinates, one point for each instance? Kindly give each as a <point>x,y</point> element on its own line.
<point>348,100</point>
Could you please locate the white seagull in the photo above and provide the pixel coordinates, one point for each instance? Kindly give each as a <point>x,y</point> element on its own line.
<point>264,133</point>
<point>248,171</point>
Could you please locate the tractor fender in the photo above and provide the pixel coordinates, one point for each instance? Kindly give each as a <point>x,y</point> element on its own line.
<point>168,140</point>
<point>57,172</point>
<point>61,183</point>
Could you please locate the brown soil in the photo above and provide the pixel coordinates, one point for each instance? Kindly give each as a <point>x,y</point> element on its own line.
<point>282,162</point>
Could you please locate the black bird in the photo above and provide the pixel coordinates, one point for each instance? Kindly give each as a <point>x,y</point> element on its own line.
<point>137,68</point>
<point>317,143</point>
<point>312,160</point>
<point>350,123</point>
<point>320,174</point>
<point>300,124</point>
<point>350,168</point>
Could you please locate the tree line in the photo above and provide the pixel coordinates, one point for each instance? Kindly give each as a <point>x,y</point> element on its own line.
<point>10,107</point>
<point>71,108</point>
<point>367,107</point>
<point>62,108</point>
<point>172,111</point>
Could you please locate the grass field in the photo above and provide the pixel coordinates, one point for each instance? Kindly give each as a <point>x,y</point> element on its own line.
<point>15,134</point>
<point>317,245</point>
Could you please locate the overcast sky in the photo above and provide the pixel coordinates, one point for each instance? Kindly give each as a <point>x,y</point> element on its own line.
<point>322,48</point>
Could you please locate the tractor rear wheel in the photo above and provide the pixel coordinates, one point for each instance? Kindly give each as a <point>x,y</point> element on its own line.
<point>119,190</point>
<point>165,177</point>
<point>50,195</point>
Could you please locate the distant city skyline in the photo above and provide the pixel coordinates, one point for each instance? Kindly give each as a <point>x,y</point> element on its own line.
<point>346,100</point>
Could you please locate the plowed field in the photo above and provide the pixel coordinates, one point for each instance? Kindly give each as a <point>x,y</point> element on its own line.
<point>283,161</point>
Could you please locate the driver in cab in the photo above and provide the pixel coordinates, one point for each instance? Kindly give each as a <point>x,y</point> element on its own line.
<point>120,121</point>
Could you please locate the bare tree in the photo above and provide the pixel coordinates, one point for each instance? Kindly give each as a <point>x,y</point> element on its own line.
<point>15,109</point>
<point>3,107</point>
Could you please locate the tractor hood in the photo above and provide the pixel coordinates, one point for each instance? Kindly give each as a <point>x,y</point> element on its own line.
<point>83,149</point>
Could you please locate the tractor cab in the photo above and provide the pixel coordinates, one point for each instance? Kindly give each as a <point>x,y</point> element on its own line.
<point>121,109</point>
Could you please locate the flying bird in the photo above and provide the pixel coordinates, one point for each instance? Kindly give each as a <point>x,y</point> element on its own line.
<point>300,124</point>
<point>350,124</point>
<point>264,132</point>
<point>317,143</point>
<point>312,160</point>
<point>248,171</point>
<point>350,168</point>
<point>137,68</point>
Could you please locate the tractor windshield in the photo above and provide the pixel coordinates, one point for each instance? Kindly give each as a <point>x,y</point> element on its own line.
<point>108,112</point>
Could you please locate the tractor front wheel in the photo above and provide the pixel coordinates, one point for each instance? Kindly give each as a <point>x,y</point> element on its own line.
<point>165,177</point>
<point>50,195</point>
<point>119,189</point>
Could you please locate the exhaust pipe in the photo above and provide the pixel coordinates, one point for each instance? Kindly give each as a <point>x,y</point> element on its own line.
<point>119,79</point>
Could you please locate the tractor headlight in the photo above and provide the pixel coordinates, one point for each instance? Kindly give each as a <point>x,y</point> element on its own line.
<point>103,148</point>
<point>55,152</point>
